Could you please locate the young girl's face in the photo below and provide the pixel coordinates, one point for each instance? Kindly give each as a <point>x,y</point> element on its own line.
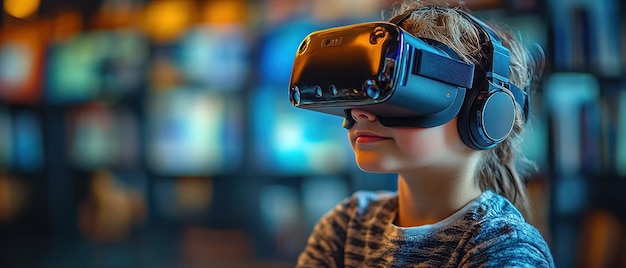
<point>399,150</point>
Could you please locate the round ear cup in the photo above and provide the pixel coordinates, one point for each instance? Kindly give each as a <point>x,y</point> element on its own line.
<point>487,119</point>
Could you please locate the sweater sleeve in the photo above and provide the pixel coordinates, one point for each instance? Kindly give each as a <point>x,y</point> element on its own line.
<point>325,245</point>
<point>515,250</point>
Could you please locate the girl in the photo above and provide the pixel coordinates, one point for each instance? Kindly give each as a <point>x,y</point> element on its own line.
<point>455,205</point>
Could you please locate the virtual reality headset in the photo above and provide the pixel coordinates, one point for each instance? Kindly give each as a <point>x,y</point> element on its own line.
<point>408,81</point>
<point>380,68</point>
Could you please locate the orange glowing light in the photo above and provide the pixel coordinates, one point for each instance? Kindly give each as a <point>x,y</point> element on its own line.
<point>21,8</point>
<point>225,11</point>
<point>165,20</point>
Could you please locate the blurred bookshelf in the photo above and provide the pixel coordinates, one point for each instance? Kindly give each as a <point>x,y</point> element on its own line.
<point>584,102</point>
<point>158,133</point>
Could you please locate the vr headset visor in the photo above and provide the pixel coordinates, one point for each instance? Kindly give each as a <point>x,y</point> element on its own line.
<point>380,68</point>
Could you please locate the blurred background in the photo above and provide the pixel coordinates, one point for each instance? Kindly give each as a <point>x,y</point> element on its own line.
<point>158,133</point>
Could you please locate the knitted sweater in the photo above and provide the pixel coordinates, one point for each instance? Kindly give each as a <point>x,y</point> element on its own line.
<point>487,232</point>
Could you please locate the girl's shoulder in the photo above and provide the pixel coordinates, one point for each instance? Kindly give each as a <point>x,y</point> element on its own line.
<point>498,232</point>
<point>495,219</point>
<point>492,206</point>
<point>501,236</point>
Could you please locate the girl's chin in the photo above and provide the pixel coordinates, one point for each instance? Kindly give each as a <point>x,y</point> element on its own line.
<point>373,168</point>
<point>375,162</point>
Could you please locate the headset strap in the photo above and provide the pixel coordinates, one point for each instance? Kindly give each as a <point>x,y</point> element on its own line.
<point>498,72</point>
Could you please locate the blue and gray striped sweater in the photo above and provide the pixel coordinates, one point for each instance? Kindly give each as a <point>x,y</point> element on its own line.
<point>488,232</point>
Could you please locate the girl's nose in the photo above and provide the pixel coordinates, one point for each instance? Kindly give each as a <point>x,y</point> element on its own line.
<point>360,115</point>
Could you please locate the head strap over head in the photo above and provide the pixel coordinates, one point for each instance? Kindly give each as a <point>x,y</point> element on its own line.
<point>498,71</point>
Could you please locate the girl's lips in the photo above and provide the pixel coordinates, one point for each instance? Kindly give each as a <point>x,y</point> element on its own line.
<point>370,139</point>
<point>365,137</point>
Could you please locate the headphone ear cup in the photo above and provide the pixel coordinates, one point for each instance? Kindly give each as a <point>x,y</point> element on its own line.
<point>487,119</point>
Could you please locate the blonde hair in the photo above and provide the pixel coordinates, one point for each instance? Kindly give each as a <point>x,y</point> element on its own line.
<point>497,169</point>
